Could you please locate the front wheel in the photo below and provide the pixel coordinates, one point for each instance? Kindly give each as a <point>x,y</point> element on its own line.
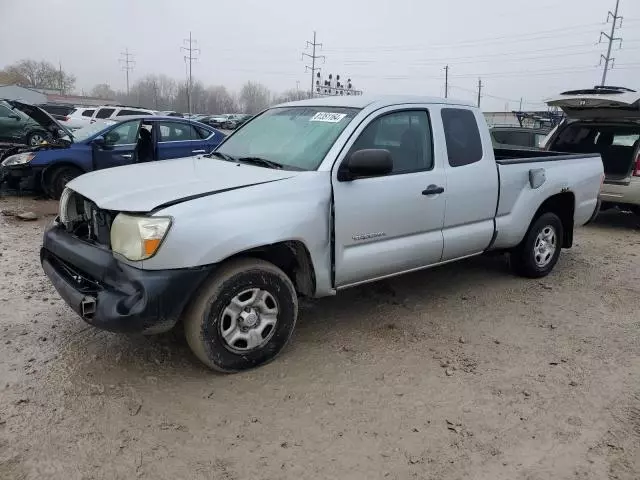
<point>243,317</point>
<point>538,253</point>
<point>59,179</point>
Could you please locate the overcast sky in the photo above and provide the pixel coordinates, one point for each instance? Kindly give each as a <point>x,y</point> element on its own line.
<point>521,48</point>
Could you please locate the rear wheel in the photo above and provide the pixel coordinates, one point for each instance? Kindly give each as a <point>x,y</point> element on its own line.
<point>59,178</point>
<point>35,138</point>
<point>538,253</point>
<point>243,317</point>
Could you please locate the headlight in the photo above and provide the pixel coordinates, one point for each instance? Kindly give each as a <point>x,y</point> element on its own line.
<point>138,238</point>
<point>19,159</point>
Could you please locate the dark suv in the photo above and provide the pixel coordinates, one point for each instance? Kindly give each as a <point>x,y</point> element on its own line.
<point>18,127</point>
<point>519,137</point>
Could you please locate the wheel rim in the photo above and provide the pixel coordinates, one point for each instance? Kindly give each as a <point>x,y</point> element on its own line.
<point>248,322</point>
<point>36,139</point>
<point>545,246</point>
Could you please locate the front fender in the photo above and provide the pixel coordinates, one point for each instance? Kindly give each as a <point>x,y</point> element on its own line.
<point>211,229</point>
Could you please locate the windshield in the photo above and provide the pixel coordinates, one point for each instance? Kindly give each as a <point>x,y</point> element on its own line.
<point>297,137</point>
<point>83,133</point>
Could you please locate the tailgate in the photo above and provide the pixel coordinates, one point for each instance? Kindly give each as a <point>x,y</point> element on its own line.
<point>599,103</point>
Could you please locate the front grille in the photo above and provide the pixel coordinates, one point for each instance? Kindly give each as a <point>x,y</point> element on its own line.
<point>83,219</point>
<point>81,281</point>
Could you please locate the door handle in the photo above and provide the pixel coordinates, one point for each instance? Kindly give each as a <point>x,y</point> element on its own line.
<point>198,151</point>
<point>127,155</point>
<point>433,190</point>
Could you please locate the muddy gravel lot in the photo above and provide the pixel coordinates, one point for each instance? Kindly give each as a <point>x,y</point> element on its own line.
<point>461,372</point>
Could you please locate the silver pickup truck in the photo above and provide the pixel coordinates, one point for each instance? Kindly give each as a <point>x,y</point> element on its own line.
<point>307,198</point>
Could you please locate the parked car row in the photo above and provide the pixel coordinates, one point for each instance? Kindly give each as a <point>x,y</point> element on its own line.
<point>228,121</point>
<point>49,165</point>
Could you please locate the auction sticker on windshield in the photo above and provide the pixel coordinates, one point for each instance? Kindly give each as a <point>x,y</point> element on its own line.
<point>328,117</point>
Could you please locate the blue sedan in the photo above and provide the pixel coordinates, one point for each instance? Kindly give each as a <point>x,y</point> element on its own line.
<point>51,166</point>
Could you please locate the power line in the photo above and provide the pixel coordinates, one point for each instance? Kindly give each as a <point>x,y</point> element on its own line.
<point>127,64</point>
<point>313,58</point>
<point>535,36</point>
<point>188,59</point>
<point>612,38</point>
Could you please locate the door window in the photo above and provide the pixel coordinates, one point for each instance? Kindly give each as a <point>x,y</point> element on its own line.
<point>105,112</point>
<point>5,112</point>
<point>88,113</point>
<point>124,134</point>
<point>406,135</point>
<point>176,132</point>
<point>462,136</point>
<point>203,132</point>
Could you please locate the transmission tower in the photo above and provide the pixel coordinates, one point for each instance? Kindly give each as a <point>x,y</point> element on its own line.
<point>189,58</point>
<point>313,58</point>
<point>616,22</point>
<point>127,64</point>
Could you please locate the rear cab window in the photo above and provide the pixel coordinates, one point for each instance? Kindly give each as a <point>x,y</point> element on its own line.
<point>464,145</point>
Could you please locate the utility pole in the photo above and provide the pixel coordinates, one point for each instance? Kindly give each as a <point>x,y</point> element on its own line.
<point>611,38</point>
<point>190,57</point>
<point>520,104</point>
<point>297,89</point>
<point>313,58</point>
<point>446,81</point>
<point>479,91</point>
<point>60,77</point>
<point>127,64</point>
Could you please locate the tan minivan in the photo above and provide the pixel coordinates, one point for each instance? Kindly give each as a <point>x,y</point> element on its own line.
<point>604,120</point>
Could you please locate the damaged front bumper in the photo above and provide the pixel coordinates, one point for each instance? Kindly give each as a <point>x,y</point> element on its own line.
<point>112,295</point>
<point>24,176</point>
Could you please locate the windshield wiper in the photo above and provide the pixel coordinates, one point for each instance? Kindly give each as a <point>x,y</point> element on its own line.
<point>223,156</point>
<point>261,162</point>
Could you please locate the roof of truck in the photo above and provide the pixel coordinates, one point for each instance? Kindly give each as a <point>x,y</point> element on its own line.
<point>362,101</point>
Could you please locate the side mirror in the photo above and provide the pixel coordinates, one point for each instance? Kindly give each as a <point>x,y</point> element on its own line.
<point>98,141</point>
<point>366,163</point>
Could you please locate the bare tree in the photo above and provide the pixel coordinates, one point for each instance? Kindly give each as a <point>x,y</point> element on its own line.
<point>291,96</point>
<point>103,90</point>
<point>31,73</point>
<point>254,97</point>
<point>219,100</point>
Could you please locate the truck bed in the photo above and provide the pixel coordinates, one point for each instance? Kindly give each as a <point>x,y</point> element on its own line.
<point>525,176</point>
<point>506,156</point>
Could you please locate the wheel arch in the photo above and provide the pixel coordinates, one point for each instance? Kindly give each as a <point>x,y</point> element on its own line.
<point>49,171</point>
<point>290,256</point>
<point>563,205</point>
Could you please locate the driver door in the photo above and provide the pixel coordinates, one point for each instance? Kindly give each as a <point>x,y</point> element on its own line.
<point>390,224</point>
<point>119,146</point>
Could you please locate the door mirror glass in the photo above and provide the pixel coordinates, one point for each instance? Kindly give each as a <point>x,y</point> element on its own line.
<point>98,141</point>
<point>366,163</point>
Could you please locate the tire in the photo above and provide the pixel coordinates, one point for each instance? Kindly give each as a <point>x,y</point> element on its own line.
<point>538,253</point>
<point>35,138</point>
<point>58,180</point>
<point>214,319</point>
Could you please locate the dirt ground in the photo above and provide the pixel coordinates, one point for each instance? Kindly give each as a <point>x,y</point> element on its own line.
<point>461,372</point>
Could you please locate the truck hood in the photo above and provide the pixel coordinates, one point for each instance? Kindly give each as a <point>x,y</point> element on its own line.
<point>150,186</point>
